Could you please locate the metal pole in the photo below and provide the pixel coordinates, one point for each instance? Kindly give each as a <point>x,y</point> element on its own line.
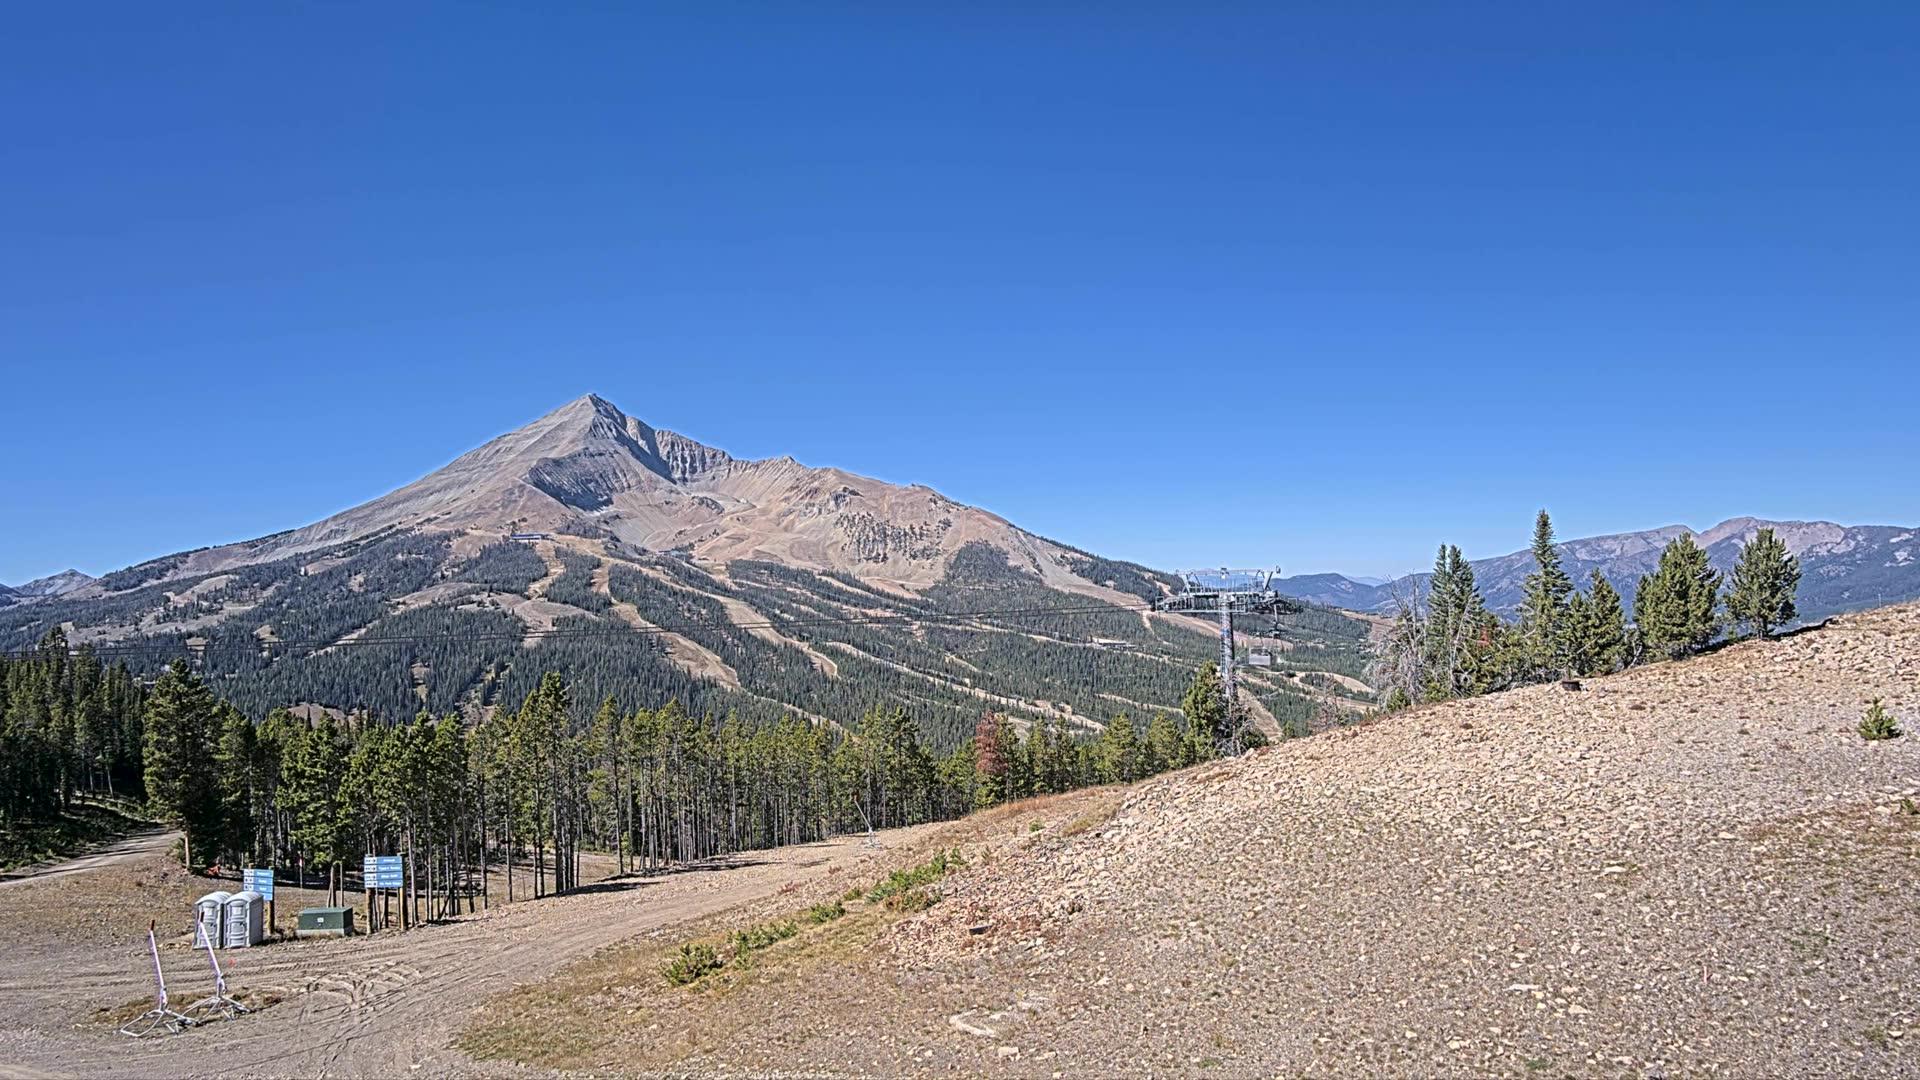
<point>1232,733</point>
<point>159,976</point>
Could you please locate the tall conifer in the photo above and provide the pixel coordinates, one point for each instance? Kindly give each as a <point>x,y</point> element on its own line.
<point>1674,609</point>
<point>1764,583</point>
<point>180,723</point>
<point>1543,612</point>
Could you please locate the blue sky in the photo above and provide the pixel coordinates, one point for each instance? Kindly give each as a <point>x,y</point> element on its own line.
<point>1184,284</point>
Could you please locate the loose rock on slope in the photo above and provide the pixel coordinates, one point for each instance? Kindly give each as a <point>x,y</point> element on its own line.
<point>1694,868</point>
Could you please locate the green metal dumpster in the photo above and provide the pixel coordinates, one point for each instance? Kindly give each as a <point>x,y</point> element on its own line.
<point>325,922</point>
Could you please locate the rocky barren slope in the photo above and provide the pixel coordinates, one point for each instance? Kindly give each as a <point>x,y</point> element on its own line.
<point>1689,869</point>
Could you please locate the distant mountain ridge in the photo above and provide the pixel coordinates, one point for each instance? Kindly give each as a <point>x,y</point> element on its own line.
<point>59,584</point>
<point>1843,568</point>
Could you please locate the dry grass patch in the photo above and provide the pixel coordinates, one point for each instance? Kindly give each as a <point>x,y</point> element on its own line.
<point>616,1009</point>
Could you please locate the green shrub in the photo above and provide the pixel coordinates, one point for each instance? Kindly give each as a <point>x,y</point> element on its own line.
<point>825,913</point>
<point>911,900</point>
<point>926,873</point>
<point>694,961</point>
<point>1879,723</point>
<point>759,937</point>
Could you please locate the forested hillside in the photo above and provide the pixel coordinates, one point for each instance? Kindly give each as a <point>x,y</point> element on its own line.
<point>653,783</point>
<point>399,623</point>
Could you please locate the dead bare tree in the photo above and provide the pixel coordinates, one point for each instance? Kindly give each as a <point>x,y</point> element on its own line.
<point>1396,659</point>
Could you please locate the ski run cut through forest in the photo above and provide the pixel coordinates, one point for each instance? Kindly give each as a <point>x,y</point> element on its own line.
<point>774,733</point>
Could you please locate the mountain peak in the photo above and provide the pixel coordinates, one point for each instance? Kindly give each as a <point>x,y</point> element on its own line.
<point>58,584</point>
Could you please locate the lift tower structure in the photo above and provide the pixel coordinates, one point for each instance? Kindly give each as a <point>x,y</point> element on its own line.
<point>1225,593</point>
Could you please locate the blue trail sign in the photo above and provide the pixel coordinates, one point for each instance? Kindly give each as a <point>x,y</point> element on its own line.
<point>259,879</point>
<point>383,872</point>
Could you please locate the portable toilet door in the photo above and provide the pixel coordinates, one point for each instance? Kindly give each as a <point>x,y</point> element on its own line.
<point>209,914</point>
<point>244,924</point>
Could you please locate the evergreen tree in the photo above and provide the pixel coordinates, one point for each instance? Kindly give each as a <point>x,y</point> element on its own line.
<point>1601,629</point>
<point>314,771</point>
<point>1164,747</point>
<point>1456,617</point>
<point>1502,657</point>
<point>1543,611</point>
<point>1764,583</point>
<point>181,792</point>
<point>1205,708</point>
<point>1436,656</point>
<point>1674,610</point>
<point>1119,753</point>
<point>237,764</point>
<point>1879,724</point>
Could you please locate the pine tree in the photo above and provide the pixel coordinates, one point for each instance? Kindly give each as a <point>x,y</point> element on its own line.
<point>1164,747</point>
<point>179,758</point>
<point>1604,634</point>
<point>1674,610</point>
<point>1205,708</point>
<point>1543,612</point>
<point>1764,583</point>
<point>237,765</point>
<point>1456,614</point>
<point>314,768</point>
<point>1119,752</point>
<point>1879,724</point>
<point>1437,650</point>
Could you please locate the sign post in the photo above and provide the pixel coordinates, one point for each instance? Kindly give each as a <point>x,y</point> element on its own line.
<point>379,873</point>
<point>260,880</point>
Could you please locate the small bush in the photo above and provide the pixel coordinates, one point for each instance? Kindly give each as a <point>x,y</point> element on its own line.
<point>852,894</point>
<point>911,900</point>
<point>825,913</point>
<point>1879,723</point>
<point>759,937</point>
<point>694,961</point>
<point>927,872</point>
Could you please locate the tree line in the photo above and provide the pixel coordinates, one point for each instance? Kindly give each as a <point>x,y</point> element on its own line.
<point>68,724</point>
<point>525,791</point>
<point>1448,645</point>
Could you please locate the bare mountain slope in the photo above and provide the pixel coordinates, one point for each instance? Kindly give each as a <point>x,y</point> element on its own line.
<point>588,469</point>
<point>1690,869</point>
<point>782,589</point>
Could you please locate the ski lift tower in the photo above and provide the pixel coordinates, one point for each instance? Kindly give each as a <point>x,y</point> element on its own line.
<point>1225,593</point>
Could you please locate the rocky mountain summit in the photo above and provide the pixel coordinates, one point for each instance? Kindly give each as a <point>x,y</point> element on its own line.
<point>645,564</point>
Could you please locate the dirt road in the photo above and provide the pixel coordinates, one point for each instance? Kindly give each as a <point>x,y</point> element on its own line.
<point>139,846</point>
<point>383,1005</point>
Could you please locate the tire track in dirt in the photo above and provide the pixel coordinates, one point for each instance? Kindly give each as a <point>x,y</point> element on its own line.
<point>381,1005</point>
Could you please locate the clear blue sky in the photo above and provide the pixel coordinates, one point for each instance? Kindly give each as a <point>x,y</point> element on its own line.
<point>1180,284</point>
